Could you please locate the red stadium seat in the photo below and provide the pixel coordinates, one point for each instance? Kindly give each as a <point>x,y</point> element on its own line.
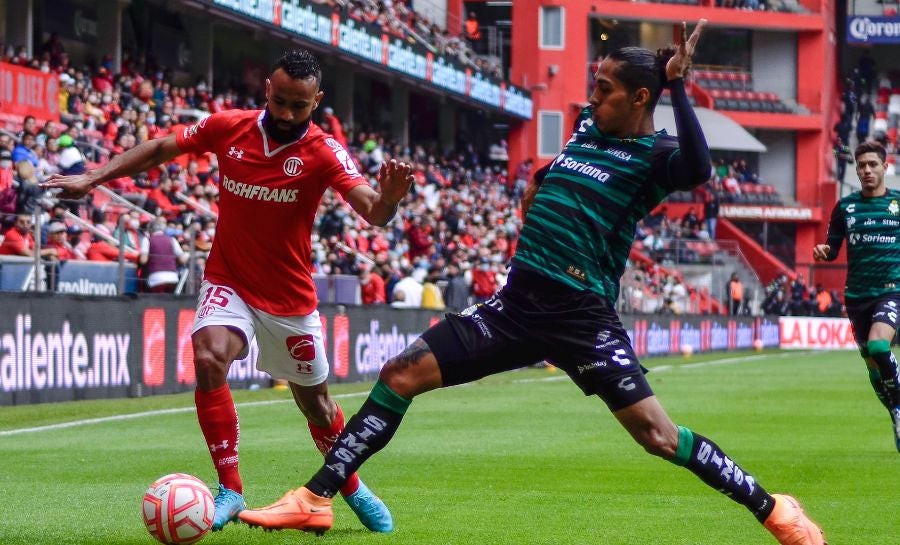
<point>743,100</point>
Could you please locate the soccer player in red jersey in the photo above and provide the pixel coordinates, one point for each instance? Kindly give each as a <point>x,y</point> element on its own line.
<point>275,166</point>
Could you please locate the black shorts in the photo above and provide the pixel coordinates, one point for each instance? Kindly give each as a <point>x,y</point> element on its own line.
<point>864,312</point>
<point>533,319</point>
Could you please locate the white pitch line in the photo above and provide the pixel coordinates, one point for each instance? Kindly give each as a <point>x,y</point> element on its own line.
<point>115,418</point>
<point>660,368</point>
<point>131,416</point>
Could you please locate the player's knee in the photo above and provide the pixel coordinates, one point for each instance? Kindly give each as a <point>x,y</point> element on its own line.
<point>658,442</point>
<point>396,377</point>
<point>402,379</point>
<point>211,368</point>
<point>320,411</point>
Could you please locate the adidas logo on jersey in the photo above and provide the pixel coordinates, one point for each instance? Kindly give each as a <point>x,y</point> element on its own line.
<point>259,192</point>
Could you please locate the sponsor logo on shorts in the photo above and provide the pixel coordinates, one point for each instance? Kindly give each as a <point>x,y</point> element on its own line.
<point>621,357</point>
<point>607,344</point>
<point>482,327</point>
<point>301,347</point>
<point>589,366</point>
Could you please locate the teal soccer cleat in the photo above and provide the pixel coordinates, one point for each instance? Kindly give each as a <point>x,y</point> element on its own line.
<point>372,512</point>
<point>228,504</point>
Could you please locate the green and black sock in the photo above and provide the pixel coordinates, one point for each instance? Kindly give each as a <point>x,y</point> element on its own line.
<point>880,351</point>
<point>880,390</point>
<point>707,461</point>
<point>366,433</point>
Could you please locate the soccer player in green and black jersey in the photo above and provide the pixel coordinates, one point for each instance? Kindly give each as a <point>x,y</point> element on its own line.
<point>558,303</point>
<point>870,221</point>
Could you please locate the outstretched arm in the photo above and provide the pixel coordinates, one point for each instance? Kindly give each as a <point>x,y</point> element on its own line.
<point>689,166</point>
<point>138,159</point>
<point>378,207</point>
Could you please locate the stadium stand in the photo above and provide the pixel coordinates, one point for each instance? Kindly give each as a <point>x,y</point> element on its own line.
<point>463,210</point>
<point>732,89</point>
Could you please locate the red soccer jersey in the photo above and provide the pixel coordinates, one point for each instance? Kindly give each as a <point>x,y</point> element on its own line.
<point>268,198</point>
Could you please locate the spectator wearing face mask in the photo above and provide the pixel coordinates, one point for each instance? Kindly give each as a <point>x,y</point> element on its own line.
<point>371,286</point>
<point>160,256</point>
<point>484,281</point>
<point>132,231</point>
<point>56,239</point>
<point>77,242</point>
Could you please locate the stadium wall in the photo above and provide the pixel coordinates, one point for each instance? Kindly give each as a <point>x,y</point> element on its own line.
<point>65,348</point>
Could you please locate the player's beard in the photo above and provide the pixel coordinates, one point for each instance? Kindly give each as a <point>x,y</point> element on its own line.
<point>284,135</point>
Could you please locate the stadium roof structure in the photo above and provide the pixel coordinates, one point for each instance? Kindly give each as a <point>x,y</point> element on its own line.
<point>722,132</point>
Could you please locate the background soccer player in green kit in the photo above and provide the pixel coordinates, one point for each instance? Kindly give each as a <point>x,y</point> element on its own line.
<point>870,221</point>
<point>558,303</point>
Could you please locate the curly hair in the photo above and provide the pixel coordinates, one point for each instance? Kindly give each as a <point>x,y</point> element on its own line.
<point>299,64</point>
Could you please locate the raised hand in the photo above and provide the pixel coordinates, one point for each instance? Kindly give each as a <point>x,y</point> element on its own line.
<point>394,181</point>
<point>680,62</point>
<point>73,187</point>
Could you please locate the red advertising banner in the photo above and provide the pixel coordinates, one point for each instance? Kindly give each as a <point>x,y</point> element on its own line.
<point>154,353</point>
<point>25,91</point>
<point>341,361</point>
<point>184,361</point>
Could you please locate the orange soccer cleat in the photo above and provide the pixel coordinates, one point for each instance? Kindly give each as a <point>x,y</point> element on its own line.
<point>299,509</point>
<point>790,525</point>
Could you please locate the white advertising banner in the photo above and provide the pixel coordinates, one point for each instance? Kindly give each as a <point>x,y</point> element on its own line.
<point>803,332</point>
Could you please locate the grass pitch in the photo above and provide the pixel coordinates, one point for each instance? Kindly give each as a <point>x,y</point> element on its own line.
<point>521,458</point>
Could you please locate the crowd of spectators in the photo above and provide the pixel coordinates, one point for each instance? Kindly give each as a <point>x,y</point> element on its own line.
<point>397,18</point>
<point>457,229</point>
<point>732,181</point>
<point>448,245</point>
<point>869,109</point>
<point>650,288</point>
<point>784,297</point>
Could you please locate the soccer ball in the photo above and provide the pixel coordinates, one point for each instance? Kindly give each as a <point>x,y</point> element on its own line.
<point>178,509</point>
<point>687,350</point>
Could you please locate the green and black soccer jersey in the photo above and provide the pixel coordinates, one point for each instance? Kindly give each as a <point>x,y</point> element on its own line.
<point>580,228</point>
<point>871,227</point>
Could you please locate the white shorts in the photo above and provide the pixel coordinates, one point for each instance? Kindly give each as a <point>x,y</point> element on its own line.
<point>290,347</point>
